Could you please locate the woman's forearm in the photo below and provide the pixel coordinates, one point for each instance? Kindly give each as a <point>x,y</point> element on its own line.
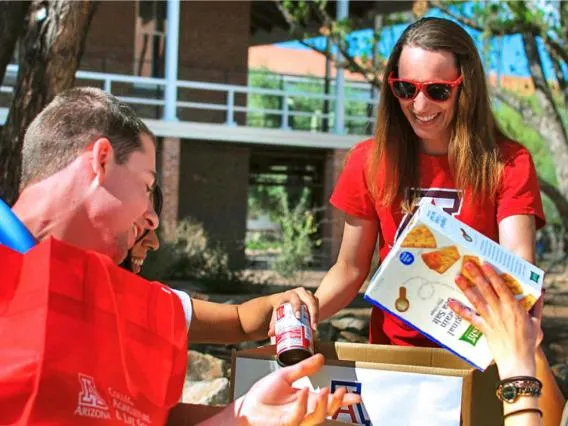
<point>338,288</point>
<point>513,417</point>
<point>551,401</point>
<point>513,411</point>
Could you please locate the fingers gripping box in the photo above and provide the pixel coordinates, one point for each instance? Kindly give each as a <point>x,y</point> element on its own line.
<point>416,280</point>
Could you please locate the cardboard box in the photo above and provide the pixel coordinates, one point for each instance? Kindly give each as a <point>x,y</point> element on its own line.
<point>399,385</point>
<point>416,279</point>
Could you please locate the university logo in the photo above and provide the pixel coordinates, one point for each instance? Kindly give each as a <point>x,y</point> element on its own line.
<point>354,413</point>
<point>449,200</point>
<point>91,403</point>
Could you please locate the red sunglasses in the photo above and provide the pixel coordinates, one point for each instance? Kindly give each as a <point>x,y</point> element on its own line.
<point>437,91</point>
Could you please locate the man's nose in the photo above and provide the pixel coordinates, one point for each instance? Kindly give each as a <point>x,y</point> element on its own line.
<point>151,219</point>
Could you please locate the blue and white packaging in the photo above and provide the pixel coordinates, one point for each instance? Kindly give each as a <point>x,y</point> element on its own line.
<point>416,280</point>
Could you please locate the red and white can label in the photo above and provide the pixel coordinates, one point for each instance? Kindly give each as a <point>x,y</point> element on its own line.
<point>291,332</point>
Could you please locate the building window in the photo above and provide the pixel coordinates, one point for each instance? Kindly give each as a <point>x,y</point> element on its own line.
<point>150,38</point>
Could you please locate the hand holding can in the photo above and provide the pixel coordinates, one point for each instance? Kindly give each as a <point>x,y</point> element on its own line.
<point>294,337</point>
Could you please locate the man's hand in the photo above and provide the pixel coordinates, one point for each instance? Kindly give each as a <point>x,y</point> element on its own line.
<point>296,298</point>
<point>273,401</point>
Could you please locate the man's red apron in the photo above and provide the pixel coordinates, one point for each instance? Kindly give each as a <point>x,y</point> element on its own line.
<point>84,342</point>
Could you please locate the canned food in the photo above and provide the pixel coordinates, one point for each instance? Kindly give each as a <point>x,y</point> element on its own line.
<point>294,339</point>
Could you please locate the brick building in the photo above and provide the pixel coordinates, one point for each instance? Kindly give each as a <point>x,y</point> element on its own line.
<point>193,94</point>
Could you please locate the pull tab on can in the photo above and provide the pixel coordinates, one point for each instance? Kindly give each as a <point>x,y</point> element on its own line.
<point>294,339</point>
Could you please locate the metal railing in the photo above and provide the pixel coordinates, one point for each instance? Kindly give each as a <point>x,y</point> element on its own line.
<point>231,101</point>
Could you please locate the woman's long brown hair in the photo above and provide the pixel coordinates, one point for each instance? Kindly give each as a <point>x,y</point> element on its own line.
<point>473,152</point>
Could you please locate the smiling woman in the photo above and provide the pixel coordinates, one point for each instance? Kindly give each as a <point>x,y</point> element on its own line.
<point>148,241</point>
<point>436,139</point>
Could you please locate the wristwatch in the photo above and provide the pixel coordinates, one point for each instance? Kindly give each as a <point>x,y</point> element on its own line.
<point>509,390</point>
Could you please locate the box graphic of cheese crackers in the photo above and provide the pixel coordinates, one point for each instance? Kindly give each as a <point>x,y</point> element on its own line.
<point>416,280</point>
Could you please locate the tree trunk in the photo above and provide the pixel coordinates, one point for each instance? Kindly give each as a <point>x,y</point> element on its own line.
<point>559,201</point>
<point>12,21</point>
<point>549,123</point>
<point>51,51</point>
<point>561,204</point>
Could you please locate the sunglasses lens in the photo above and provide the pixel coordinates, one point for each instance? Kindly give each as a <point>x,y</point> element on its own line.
<point>439,92</point>
<point>404,89</point>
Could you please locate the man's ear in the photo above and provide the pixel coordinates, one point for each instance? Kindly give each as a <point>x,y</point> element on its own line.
<point>102,157</point>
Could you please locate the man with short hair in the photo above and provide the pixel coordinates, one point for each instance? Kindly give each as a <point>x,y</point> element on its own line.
<point>89,167</point>
<point>96,160</point>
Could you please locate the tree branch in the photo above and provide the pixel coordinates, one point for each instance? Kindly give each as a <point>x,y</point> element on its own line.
<point>509,28</point>
<point>536,68</point>
<point>560,202</point>
<point>12,22</point>
<point>325,21</point>
<point>562,83</point>
<point>517,104</point>
<point>504,28</point>
<point>536,122</point>
<point>556,48</point>
<point>51,51</point>
<point>548,125</point>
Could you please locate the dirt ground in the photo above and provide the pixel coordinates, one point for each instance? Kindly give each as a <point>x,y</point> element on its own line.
<point>555,316</point>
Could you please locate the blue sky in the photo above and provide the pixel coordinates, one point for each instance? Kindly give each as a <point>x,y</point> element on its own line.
<point>507,54</point>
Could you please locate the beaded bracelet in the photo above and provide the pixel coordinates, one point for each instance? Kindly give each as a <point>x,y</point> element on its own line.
<point>509,390</point>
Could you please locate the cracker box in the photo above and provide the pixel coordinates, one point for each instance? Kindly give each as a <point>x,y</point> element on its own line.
<point>416,280</point>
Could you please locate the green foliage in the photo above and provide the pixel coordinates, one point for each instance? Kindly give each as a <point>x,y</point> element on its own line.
<point>298,227</point>
<point>512,123</point>
<point>190,257</point>
<point>310,109</point>
<point>501,17</point>
<point>514,126</point>
<point>265,198</point>
<point>338,32</point>
<point>262,241</point>
<point>263,79</point>
<point>299,9</point>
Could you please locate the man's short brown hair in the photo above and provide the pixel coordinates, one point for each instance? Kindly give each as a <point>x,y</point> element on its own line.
<point>70,123</point>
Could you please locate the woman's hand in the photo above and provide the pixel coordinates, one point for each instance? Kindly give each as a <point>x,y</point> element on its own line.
<point>512,334</point>
<point>296,297</point>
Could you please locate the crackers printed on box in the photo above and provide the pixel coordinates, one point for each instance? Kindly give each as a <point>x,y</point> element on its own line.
<point>464,271</point>
<point>441,260</point>
<point>420,237</point>
<point>528,301</point>
<point>512,283</point>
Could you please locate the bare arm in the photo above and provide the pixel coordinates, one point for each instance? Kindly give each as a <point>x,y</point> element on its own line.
<point>517,233</point>
<point>551,401</point>
<point>341,284</point>
<point>223,323</point>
